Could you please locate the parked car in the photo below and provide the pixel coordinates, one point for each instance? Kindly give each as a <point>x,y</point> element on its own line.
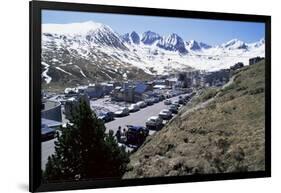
<point>149,101</point>
<point>186,100</point>
<point>173,109</point>
<point>168,95</point>
<point>141,104</point>
<point>154,122</point>
<point>165,114</point>
<point>187,97</point>
<point>134,108</point>
<point>136,135</point>
<point>155,99</point>
<point>106,117</point>
<point>161,97</point>
<point>182,101</point>
<point>176,103</point>
<point>180,92</point>
<point>123,111</point>
<point>47,133</point>
<point>167,102</point>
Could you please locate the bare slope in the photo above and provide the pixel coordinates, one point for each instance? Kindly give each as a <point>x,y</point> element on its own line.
<point>224,135</point>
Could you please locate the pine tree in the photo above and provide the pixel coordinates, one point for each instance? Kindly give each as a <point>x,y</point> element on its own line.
<point>84,151</point>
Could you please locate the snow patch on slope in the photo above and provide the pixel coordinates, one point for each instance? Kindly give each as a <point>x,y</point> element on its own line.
<point>81,71</point>
<point>46,77</point>
<point>63,70</point>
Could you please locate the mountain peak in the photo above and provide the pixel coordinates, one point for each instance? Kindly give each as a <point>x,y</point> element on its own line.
<point>89,31</point>
<point>205,46</point>
<point>174,38</point>
<point>135,37</point>
<point>232,41</point>
<point>134,32</point>
<point>234,44</point>
<point>150,37</point>
<point>73,28</point>
<point>262,41</point>
<point>132,37</point>
<point>174,35</point>
<point>194,45</point>
<point>172,43</point>
<point>257,44</point>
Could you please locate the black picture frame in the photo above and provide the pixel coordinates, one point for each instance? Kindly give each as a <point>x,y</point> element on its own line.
<point>35,95</point>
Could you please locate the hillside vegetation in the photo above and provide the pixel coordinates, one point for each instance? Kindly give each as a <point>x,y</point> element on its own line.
<point>224,135</point>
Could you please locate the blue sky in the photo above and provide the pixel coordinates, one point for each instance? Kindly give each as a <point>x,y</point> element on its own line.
<point>212,32</point>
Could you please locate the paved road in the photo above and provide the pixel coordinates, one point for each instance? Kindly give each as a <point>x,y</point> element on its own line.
<point>48,148</point>
<point>137,118</point>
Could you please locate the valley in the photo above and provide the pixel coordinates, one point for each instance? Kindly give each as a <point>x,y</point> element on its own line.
<point>89,52</point>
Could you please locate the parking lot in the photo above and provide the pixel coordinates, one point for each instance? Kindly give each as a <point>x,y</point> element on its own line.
<point>136,118</point>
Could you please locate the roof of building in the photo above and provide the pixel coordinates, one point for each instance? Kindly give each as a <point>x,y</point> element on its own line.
<point>159,86</point>
<point>50,123</point>
<point>140,88</point>
<point>172,79</point>
<point>106,84</point>
<point>50,104</point>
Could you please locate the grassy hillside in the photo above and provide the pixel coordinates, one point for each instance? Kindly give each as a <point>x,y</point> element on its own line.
<point>226,134</point>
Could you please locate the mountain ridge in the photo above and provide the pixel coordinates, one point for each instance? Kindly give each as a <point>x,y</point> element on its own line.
<point>95,46</point>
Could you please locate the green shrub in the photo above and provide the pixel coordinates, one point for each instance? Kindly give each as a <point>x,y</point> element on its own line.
<point>85,151</point>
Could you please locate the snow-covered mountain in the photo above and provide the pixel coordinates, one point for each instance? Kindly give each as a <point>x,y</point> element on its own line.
<point>131,38</point>
<point>79,53</point>
<point>150,37</point>
<point>235,44</point>
<point>172,43</point>
<point>93,33</point>
<point>196,46</point>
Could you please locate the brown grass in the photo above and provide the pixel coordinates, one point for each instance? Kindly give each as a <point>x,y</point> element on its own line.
<point>225,136</point>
